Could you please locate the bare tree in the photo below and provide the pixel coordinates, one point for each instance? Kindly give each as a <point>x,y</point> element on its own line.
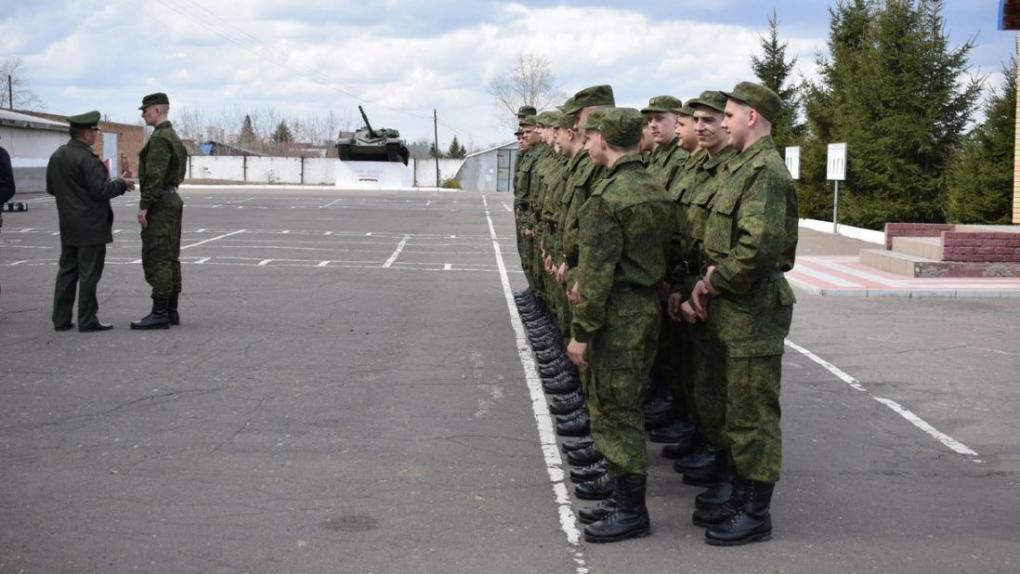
<point>529,81</point>
<point>24,98</point>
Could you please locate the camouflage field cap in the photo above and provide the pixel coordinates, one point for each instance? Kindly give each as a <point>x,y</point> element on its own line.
<point>518,133</point>
<point>525,111</point>
<point>548,119</point>
<point>620,127</point>
<point>86,120</point>
<point>709,99</point>
<point>529,121</point>
<point>601,95</point>
<point>759,97</point>
<point>565,121</point>
<point>685,110</point>
<point>662,104</point>
<point>153,99</point>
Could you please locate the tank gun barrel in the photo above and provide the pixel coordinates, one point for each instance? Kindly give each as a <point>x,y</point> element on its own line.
<point>367,124</point>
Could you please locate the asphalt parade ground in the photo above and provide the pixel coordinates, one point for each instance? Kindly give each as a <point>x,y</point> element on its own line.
<point>348,393</point>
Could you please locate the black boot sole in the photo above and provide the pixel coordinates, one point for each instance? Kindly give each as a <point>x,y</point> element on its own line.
<point>761,537</point>
<point>632,534</point>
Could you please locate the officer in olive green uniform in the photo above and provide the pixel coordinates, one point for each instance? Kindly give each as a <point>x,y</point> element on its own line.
<point>162,164</point>
<point>693,192</point>
<point>624,236</point>
<point>749,241</point>
<point>83,189</point>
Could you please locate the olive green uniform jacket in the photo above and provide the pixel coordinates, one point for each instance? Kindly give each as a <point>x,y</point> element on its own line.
<point>83,189</point>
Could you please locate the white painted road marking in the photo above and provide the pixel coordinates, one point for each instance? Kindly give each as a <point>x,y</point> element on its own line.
<point>550,448</point>
<point>953,444</point>
<point>264,262</point>
<point>396,252</point>
<point>448,267</point>
<point>204,241</point>
<point>334,202</point>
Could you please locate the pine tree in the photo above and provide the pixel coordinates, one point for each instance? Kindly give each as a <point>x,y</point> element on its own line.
<point>282,133</point>
<point>980,182</point>
<point>456,151</point>
<point>433,152</point>
<point>774,70</point>
<point>890,90</point>
<point>247,136</point>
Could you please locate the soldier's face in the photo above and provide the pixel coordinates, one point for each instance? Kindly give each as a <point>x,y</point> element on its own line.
<point>686,138</point>
<point>150,115</point>
<point>565,140</point>
<point>531,135</point>
<point>646,143</point>
<point>735,124</point>
<point>662,126</point>
<point>708,128</point>
<point>596,147</point>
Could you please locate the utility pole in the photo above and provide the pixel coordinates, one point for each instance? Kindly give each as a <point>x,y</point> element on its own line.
<point>10,93</point>
<point>435,134</point>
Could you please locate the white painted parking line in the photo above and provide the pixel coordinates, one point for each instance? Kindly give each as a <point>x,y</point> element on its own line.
<point>334,202</point>
<point>550,448</point>
<point>328,233</point>
<point>448,267</point>
<point>507,207</point>
<point>396,252</point>
<point>953,444</point>
<point>27,229</point>
<point>264,262</point>
<point>285,232</point>
<point>54,234</point>
<point>200,230</point>
<point>323,264</point>
<point>116,231</point>
<point>137,261</point>
<point>428,203</point>
<point>211,239</point>
<point>203,260</point>
<point>369,234</point>
<point>20,262</point>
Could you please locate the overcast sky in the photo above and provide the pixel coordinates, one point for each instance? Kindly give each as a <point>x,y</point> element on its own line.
<point>401,59</point>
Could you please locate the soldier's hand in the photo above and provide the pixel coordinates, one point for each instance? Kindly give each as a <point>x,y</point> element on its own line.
<point>673,302</point>
<point>129,185</point>
<point>577,352</point>
<point>529,233</point>
<point>699,299</point>
<point>561,274</point>
<point>574,295</point>
<point>143,218</point>
<point>688,314</point>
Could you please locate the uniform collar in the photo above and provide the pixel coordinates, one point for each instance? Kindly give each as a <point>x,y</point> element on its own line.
<point>633,160</point>
<point>164,124</point>
<point>722,157</point>
<point>765,143</point>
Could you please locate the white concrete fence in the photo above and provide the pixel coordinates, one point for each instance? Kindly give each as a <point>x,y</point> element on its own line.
<point>297,170</point>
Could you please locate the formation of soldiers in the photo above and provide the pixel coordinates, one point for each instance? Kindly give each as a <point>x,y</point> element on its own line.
<point>654,243</point>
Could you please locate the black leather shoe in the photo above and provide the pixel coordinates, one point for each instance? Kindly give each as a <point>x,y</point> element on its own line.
<point>572,445</point>
<point>590,472</point>
<point>598,512</point>
<point>568,407</point>
<point>65,327</point>
<point>752,522</point>
<point>93,327</point>
<point>598,489</point>
<point>584,456</point>
<point>701,458</point>
<point>579,426</point>
<point>630,517</point>
<point>157,319</point>
<point>674,432</point>
<point>682,448</point>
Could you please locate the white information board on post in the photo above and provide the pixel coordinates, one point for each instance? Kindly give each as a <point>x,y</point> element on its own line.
<point>793,161</point>
<point>836,165</point>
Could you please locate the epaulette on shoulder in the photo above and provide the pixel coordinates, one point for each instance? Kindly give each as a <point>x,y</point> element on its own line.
<point>758,163</point>
<point>601,187</point>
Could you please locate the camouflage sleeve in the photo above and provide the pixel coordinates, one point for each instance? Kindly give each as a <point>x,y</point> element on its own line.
<point>157,163</point>
<point>601,241</point>
<point>97,180</point>
<point>761,231</point>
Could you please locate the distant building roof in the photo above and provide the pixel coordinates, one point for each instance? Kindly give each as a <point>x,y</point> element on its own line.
<point>493,148</point>
<point>21,120</point>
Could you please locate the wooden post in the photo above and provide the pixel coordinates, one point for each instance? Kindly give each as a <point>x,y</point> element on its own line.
<point>1016,146</point>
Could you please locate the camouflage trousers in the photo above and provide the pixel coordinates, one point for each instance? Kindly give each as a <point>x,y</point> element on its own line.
<point>161,247</point>
<point>750,330</point>
<point>524,249</point>
<point>620,358</point>
<point>708,387</point>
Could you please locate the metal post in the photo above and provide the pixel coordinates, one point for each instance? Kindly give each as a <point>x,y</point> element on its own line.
<point>435,128</point>
<point>835,208</point>
<point>10,93</point>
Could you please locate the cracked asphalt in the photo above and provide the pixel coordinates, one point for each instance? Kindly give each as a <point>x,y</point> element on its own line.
<point>336,402</point>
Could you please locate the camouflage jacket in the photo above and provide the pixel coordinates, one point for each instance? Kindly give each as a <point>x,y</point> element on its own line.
<point>623,239</point>
<point>751,229</point>
<point>526,182</point>
<point>162,163</point>
<point>79,180</point>
<point>664,161</point>
<point>555,183</point>
<point>692,192</point>
<point>582,179</point>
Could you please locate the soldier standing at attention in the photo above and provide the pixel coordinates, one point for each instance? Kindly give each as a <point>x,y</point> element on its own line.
<point>83,189</point>
<point>749,241</point>
<point>162,164</point>
<point>661,116</point>
<point>624,235</point>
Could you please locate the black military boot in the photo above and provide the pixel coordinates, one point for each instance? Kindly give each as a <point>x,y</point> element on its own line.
<point>581,443</point>
<point>598,489</point>
<point>704,456</point>
<point>716,495</point>
<point>709,475</point>
<point>673,432</point>
<point>598,512</point>
<point>714,508</point>
<point>583,456</point>
<point>171,310</point>
<point>561,385</point>
<point>590,472</point>
<point>556,367</point>
<point>157,319</point>
<point>752,522</point>
<point>577,426</point>
<point>683,448</point>
<point>573,401</point>
<point>630,517</point>
<point>548,356</point>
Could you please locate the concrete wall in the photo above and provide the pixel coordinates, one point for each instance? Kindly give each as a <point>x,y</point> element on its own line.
<point>425,170</point>
<point>293,170</point>
<point>30,151</point>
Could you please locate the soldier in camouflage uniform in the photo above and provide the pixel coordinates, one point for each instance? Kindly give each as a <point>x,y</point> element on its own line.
<point>78,179</point>
<point>623,242</point>
<point>749,241</point>
<point>162,164</point>
<point>692,193</point>
<point>522,196</point>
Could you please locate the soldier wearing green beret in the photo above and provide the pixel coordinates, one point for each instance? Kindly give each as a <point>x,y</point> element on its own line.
<point>82,186</point>
<point>692,193</point>
<point>623,242</point>
<point>162,164</point>
<point>749,241</point>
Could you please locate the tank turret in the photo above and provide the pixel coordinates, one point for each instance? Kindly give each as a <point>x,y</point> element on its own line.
<point>369,144</point>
